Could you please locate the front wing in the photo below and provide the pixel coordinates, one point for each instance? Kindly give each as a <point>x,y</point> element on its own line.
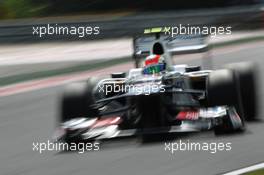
<point>108,128</point>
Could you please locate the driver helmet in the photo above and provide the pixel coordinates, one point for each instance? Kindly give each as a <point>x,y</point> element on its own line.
<point>154,64</point>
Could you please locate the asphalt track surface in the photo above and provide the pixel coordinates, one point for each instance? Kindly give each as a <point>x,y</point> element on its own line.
<point>30,117</point>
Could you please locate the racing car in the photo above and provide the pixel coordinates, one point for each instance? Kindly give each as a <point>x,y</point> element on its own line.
<point>159,97</point>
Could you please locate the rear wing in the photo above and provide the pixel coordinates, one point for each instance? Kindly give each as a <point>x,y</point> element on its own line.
<point>179,44</point>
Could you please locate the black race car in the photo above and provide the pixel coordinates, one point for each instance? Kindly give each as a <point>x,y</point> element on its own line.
<point>159,97</point>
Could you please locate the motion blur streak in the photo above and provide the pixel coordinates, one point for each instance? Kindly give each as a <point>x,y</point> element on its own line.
<point>30,116</point>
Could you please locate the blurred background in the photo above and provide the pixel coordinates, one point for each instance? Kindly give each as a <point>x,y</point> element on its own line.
<point>119,21</point>
<point>29,62</point>
<point>43,8</point>
<point>122,17</point>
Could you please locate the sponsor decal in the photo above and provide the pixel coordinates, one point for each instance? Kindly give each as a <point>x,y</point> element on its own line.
<point>188,115</point>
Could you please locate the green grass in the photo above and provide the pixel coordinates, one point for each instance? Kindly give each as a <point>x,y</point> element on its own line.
<point>257,172</point>
<point>11,9</point>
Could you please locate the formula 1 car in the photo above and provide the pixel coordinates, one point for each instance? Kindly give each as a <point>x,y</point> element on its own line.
<point>159,97</point>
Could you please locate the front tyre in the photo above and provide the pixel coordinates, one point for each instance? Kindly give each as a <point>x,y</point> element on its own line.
<point>246,73</point>
<point>223,89</point>
<point>76,100</point>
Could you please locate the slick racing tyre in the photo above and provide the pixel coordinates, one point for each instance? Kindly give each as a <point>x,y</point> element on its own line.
<point>76,100</point>
<point>223,89</point>
<point>246,73</point>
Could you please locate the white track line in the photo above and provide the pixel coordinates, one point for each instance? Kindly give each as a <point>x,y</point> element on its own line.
<point>246,170</point>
